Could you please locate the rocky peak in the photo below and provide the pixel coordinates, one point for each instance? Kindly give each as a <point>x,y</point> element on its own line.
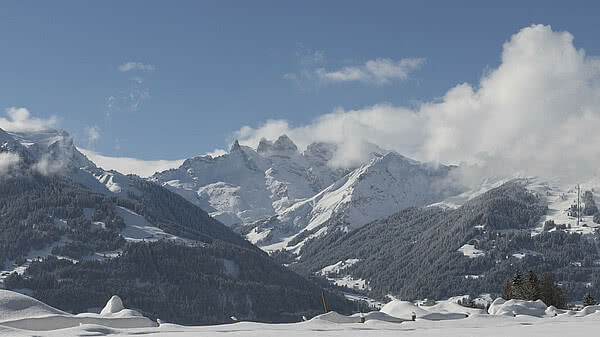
<point>321,151</point>
<point>264,146</point>
<point>235,146</point>
<point>284,144</point>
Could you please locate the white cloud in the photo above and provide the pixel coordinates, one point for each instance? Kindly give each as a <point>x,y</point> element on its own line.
<point>537,112</point>
<point>133,66</point>
<point>48,165</point>
<point>8,161</point>
<point>125,165</point>
<point>379,71</point>
<point>216,153</point>
<point>93,134</point>
<point>19,120</point>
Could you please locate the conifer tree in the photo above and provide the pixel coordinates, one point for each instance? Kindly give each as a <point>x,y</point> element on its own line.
<point>507,290</point>
<point>517,286</point>
<point>588,299</point>
<point>532,288</point>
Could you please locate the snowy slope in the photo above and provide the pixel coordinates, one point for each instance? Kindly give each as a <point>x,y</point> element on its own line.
<point>557,194</point>
<point>553,192</point>
<point>274,192</point>
<point>249,184</point>
<point>375,190</point>
<point>53,152</point>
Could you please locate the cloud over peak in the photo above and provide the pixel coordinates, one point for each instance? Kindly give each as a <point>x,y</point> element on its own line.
<point>538,112</point>
<point>20,120</point>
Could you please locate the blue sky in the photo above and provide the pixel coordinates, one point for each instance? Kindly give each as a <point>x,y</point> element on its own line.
<point>205,69</point>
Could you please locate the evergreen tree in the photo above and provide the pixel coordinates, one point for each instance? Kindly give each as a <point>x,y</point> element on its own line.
<point>517,287</point>
<point>547,289</point>
<point>532,287</point>
<point>588,299</point>
<point>507,290</point>
<point>552,294</point>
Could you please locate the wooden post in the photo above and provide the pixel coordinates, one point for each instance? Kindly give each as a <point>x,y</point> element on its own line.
<point>325,303</point>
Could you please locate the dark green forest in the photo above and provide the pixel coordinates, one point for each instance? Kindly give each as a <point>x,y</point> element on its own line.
<point>223,276</point>
<point>414,253</point>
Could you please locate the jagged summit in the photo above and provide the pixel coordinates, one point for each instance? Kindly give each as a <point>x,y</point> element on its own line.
<point>235,146</point>
<point>249,184</point>
<point>321,151</point>
<point>264,145</point>
<point>284,144</point>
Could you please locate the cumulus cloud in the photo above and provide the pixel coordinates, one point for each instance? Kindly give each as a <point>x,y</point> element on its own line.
<point>379,71</point>
<point>20,120</point>
<point>125,165</point>
<point>216,153</point>
<point>7,162</point>
<point>136,66</point>
<point>93,134</point>
<point>538,112</point>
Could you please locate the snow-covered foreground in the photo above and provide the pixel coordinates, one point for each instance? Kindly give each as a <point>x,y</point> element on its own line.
<point>23,316</point>
<point>474,326</point>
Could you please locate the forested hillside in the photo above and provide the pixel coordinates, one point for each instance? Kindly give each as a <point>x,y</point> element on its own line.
<point>77,250</point>
<point>185,285</point>
<point>435,253</point>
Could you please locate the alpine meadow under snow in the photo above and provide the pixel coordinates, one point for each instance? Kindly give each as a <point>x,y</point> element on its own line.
<point>474,213</point>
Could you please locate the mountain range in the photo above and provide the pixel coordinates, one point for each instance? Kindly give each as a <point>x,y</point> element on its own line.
<point>275,194</point>
<point>74,234</point>
<point>390,226</point>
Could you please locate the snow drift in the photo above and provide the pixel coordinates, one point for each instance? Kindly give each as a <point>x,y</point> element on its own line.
<point>23,312</point>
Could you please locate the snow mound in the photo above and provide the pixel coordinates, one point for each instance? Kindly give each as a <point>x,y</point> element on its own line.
<point>450,308</point>
<point>334,317</point>
<point>440,311</point>
<point>380,316</point>
<point>23,312</point>
<point>590,309</point>
<point>403,309</point>
<point>16,306</point>
<point>552,311</point>
<point>442,316</point>
<point>113,305</point>
<point>518,307</point>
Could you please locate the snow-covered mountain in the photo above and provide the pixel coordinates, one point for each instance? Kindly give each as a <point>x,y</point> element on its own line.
<point>558,195</point>
<point>385,185</point>
<point>274,192</point>
<point>249,184</point>
<point>53,152</point>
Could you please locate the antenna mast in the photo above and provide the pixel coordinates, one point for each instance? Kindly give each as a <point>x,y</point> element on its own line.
<point>578,205</point>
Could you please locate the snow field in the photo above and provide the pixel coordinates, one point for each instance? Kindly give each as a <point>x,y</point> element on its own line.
<point>24,316</point>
